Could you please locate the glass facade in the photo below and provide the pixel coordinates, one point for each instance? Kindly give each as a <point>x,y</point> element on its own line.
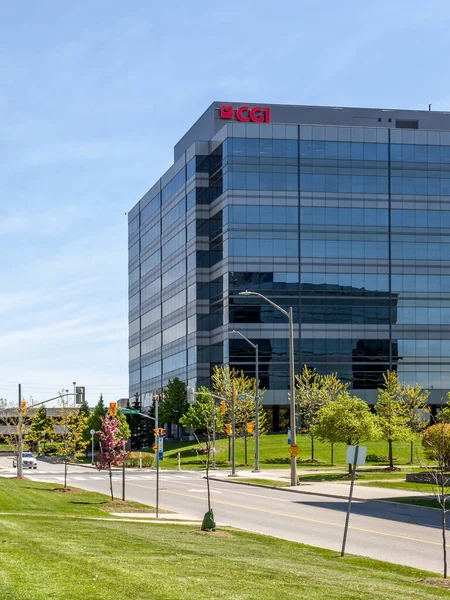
<point>349,225</point>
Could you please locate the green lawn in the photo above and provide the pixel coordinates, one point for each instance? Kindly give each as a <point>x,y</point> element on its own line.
<point>23,496</point>
<point>44,558</point>
<point>361,476</point>
<point>401,485</point>
<point>274,453</point>
<point>268,482</point>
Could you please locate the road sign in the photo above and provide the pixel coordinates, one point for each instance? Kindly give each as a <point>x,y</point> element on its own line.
<point>130,411</point>
<point>160,447</point>
<point>289,436</point>
<point>155,448</point>
<point>294,450</point>
<point>242,396</point>
<point>350,457</point>
<point>92,432</point>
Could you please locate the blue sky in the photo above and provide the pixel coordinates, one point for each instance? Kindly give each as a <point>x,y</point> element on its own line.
<point>93,97</point>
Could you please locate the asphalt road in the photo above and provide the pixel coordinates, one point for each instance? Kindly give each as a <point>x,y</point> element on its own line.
<point>387,531</point>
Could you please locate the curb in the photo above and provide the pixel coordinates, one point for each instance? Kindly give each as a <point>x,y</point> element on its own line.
<point>285,489</point>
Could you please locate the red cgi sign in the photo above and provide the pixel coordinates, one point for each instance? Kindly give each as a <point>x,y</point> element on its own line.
<point>246,114</point>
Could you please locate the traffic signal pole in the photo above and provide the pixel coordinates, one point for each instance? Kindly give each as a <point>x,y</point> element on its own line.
<point>213,403</point>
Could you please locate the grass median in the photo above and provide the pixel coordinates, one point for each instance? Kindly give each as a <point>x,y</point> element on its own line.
<point>274,453</point>
<point>46,558</point>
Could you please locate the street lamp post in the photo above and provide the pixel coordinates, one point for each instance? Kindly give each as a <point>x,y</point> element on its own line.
<point>255,346</point>
<point>92,432</point>
<point>289,315</point>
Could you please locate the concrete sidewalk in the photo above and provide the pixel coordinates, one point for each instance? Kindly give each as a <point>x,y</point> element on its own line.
<point>322,488</point>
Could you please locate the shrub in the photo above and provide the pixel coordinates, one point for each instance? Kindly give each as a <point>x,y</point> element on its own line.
<point>133,459</point>
<point>379,458</point>
<point>436,444</point>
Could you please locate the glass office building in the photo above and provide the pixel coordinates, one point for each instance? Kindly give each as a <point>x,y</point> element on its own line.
<point>341,213</point>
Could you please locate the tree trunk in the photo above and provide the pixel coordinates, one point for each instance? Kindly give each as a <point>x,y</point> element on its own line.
<point>111,483</point>
<point>412,451</point>
<point>245,450</point>
<point>208,456</point>
<point>391,458</point>
<point>332,454</point>
<point>312,448</point>
<point>65,473</point>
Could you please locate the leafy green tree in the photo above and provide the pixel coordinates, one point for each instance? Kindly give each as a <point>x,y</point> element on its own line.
<point>86,412</point>
<point>124,428</point>
<point>436,444</point>
<point>417,409</point>
<point>41,429</point>
<point>224,380</point>
<point>174,403</point>
<point>392,411</point>
<point>346,420</point>
<point>69,425</point>
<point>95,421</point>
<point>313,391</point>
<point>199,414</point>
<point>244,413</point>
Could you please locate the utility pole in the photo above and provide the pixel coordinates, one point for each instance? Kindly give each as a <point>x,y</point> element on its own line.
<point>233,435</point>
<point>19,437</point>
<point>157,455</point>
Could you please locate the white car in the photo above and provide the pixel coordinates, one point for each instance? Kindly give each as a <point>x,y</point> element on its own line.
<point>28,461</point>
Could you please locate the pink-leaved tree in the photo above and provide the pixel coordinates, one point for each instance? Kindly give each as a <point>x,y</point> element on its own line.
<point>111,447</point>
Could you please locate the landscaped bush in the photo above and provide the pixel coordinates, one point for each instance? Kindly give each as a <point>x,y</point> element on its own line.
<point>379,458</point>
<point>50,449</point>
<point>134,461</point>
<point>436,444</point>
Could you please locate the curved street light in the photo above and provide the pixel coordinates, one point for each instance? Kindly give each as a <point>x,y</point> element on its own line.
<point>289,315</point>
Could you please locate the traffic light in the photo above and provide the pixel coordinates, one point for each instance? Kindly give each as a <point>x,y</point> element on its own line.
<point>80,394</point>
<point>162,431</point>
<point>250,427</point>
<point>156,431</point>
<point>235,395</point>
<point>23,407</point>
<point>223,407</point>
<point>228,429</point>
<point>113,409</point>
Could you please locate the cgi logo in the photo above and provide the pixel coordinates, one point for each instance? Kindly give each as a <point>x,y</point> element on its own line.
<point>246,114</point>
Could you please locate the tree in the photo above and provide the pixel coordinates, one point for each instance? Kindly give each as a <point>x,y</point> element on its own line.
<point>417,409</point>
<point>141,430</point>
<point>174,403</point>
<point>41,427</point>
<point>86,412</point>
<point>313,391</point>
<point>111,447</point>
<point>392,411</point>
<point>198,415</point>
<point>70,426</point>
<point>224,380</point>
<point>244,413</point>
<point>346,420</point>
<point>96,419</point>
<point>436,444</point>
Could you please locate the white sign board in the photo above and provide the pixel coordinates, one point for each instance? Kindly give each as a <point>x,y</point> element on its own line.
<point>350,457</point>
